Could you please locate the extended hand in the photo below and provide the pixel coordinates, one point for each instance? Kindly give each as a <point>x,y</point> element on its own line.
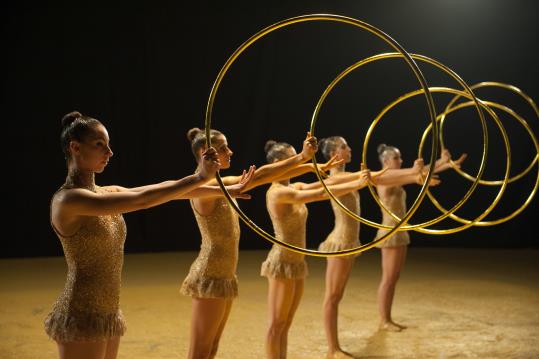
<point>210,163</point>
<point>332,163</point>
<point>461,159</point>
<point>237,189</point>
<point>418,165</point>
<point>434,179</point>
<point>445,163</point>
<point>364,177</point>
<point>445,156</point>
<point>310,146</point>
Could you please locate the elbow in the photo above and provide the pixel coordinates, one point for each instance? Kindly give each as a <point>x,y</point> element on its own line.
<point>144,205</point>
<point>260,177</point>
<point>142,201</point>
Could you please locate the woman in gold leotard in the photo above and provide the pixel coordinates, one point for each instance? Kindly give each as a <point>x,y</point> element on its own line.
<point>211,281</point>
<point>86,321</point>
<point>345,235</point>
<point>394,248</point>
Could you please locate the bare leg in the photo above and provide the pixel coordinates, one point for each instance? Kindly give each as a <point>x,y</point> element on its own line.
<point>206,319</point>
<point>393,259</point>
<point>83,350</point>
<point>280,300</point>
<point>298,293</point>
<point>221,328</point>
<point>337,274</point>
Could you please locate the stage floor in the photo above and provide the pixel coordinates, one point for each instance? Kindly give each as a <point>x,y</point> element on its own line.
<point>458,303</point>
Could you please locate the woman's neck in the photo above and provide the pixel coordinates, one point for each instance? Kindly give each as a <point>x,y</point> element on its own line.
<point>338,169</point>
<point>78,178</point>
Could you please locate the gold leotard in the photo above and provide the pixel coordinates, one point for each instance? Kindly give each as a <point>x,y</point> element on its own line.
<point>213,273</point>
<point>395,200</point>
<point>88,308</point>
<point>281,262</point>
<point>345,234</point>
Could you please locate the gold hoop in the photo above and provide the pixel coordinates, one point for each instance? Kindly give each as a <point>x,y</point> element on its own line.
<point>409,61</point>
<point>506,180</point>
<point>416,227</point>
<point>528,99</point>
<point>498,197</point>
<point>420,227</point>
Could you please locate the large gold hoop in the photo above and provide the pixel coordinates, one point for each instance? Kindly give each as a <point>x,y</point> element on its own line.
<point>420,227</point>
<point>506,180</point>
<point>517,91</point>
<point>469,93</point>
<point>503,186</point>
<point>409,61</point>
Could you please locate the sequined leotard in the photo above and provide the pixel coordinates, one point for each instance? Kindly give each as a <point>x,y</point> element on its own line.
<point>395,200</point>
<point>213,273</point>
<point>88,308</point>
<point>281,262</point>
<point>345,234</point>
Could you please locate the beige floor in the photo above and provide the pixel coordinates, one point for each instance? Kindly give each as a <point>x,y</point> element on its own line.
<point>458,303</point>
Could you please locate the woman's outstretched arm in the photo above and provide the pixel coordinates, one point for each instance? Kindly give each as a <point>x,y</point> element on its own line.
<point>82,202</point>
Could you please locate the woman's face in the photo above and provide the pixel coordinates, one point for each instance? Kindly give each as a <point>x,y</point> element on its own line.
<point>393,159</point>
<point>92,153</point>
<point>223,151</point>
<point>343,151</point>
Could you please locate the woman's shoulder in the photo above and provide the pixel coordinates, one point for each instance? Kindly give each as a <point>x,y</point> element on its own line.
<point>69,195</point>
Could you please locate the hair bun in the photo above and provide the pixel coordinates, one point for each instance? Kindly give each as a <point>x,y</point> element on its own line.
<point>381,148</point>
<point>70,118</point>
<point>269,144</point>
<point>322,143</point>
<point>192,133</point>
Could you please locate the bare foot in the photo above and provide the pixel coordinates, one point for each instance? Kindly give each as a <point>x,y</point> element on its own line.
<point>390,327</point>
<point>399,325</point>
<point>340,354</point>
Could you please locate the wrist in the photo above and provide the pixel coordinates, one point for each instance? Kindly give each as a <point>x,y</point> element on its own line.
<point>420,177</point>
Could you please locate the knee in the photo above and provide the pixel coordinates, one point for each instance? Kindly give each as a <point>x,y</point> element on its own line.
<point>333,299</point>
<point>391,279</point>
<point>277,327</point>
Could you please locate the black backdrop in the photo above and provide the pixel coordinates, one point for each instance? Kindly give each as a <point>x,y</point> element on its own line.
<point>145,69</point>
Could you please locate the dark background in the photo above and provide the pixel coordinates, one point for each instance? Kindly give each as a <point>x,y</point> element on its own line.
<point>145,69</point>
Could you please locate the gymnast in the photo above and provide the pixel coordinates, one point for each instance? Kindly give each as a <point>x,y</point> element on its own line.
<point>394,248</point>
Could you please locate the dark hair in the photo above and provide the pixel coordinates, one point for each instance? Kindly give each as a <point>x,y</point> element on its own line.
<point>382,150</point>
<point>197,137</point>
<point>276,150</point>
<point>75,126</point>
<point>328,145</point>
